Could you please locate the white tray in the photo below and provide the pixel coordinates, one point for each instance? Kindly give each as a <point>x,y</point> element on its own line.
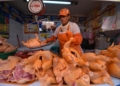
<point>115,80</point>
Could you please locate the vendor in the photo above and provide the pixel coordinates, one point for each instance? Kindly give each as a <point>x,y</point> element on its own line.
<point>66,30</point>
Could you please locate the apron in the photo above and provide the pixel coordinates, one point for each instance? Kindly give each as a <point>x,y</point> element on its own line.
<point>63,38</point>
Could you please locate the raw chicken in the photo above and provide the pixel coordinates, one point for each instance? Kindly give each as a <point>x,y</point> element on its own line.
<point>47,79</point>
<point>97,65</point>
<point>100,77</point>
<point>3,39</point>
<point>77,78</point>
<point>6,47</point>
<point>22,74</point>
<point>60,69</point>
<point>113,69</point>
<point>33,42</point>
<point>71,55</point>
<point>7,66</point>
<point>90,57</point>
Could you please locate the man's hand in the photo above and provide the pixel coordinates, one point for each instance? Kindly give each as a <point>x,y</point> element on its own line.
<point>44,42</point>
<point>69,34</point>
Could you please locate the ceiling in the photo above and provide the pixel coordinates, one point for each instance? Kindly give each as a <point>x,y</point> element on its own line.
<point>81,9</point>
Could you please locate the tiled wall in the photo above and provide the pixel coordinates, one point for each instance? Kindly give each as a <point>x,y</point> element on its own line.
<point>15,29</point>
<point>118,16</point>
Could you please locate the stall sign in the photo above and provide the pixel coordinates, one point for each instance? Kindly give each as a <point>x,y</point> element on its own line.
<point>4,26</point>
<point>31,28</point>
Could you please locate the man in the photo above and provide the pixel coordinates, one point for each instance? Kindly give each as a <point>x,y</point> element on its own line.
<point>67,30</point>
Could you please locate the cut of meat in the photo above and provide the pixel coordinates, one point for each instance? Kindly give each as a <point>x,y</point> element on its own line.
<point>21,76</point>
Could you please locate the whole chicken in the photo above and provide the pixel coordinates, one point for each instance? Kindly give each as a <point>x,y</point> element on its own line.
<point>6,47</point>
<point>47,79</point>
<point>77,78</point>
<point>113,69</point>
<point>97,65</point>
<point>100,77</point>
<point>90,57</point>
<point>71,55</point>
<point>33,42</point>
<point>60,69</point>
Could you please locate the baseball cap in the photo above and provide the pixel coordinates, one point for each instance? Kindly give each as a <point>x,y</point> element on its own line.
<point>64,12</point>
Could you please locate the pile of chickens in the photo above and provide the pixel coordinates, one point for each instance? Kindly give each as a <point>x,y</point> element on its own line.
<point>33,42</point>
<point>5,46</point>
<point>71,68</point>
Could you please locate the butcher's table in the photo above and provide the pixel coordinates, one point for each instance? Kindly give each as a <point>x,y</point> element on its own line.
<point>37,83</point>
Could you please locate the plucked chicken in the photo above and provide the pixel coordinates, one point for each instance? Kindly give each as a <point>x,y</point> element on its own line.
<point>60,69</point>
<point>77,78</point>
<point>33,42</point>
<point>4,46</point>
<point>7,66</point>
<point>71,55</point>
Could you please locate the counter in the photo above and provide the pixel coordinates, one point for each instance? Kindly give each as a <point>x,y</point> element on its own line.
<point>115,80</point>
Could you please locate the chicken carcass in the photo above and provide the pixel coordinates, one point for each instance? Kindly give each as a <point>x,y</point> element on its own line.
<point>6,47</point>
<point>7,66</point>
<point>22,74</point>
<point>47,79</point>
<point>2,39</point>
<point>71,55</point>
<point>113,69</point>
<point>10,48</point>
<point>77,78</point>
<point>60,69</point>
<point>91,57</point>
<point>100,77</point>
<point>97,65</point>
<point>33,42</point>
<point>114,51</point>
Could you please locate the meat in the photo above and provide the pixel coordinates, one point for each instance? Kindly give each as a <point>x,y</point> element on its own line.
<point>47,78</point>
<point>77,78</point>
<point>97,65</point>
<point>33,42</point>
<point>60,69</point>
<point>6,47</point>
<point>90,57</point>
<point>7,66</point>
<point>98,73</point>
<point>101,77</point>
<point>113,64</point>
<point>114,69</point>
<point>20,75</point>
<point>71,55</point>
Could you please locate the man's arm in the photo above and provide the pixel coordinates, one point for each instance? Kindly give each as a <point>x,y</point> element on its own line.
<point>77,35</point>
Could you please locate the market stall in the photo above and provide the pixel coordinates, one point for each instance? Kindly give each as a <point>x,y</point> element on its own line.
<point>33,62</point>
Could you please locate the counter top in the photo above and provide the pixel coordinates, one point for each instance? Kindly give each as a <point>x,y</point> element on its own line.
<point>37,83</point>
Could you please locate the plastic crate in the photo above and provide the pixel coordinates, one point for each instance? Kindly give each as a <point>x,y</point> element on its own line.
<point>5,55</point>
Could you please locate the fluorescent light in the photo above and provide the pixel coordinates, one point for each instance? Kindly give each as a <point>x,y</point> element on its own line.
<point>57,2</point>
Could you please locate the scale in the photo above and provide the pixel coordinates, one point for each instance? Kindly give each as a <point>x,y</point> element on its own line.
<point>35,6</point>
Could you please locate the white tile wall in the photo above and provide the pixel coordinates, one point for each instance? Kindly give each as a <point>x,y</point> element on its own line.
<point>15,29</point>
<point>118,15</point>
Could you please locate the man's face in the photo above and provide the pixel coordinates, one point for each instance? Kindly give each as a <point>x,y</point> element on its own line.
<point>64,19</point>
